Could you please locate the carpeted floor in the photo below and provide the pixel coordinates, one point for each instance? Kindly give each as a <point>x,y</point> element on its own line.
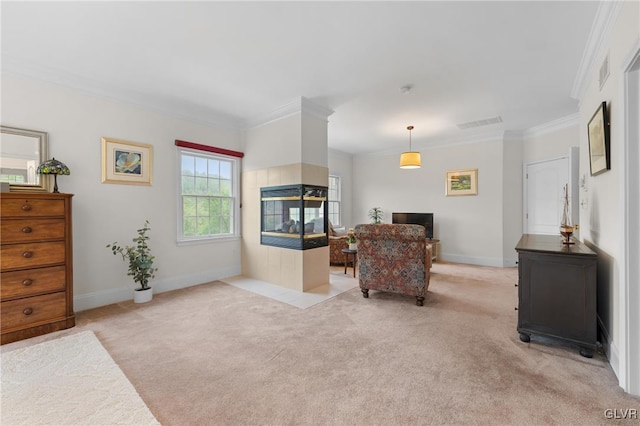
<point>215,354</point>
<point>66,381</point>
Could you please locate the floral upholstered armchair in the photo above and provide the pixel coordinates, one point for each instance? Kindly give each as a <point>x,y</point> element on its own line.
<point>394,258</point>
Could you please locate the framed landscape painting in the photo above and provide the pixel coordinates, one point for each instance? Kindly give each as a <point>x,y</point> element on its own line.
<point>126,162</point>
<point>599,145</point>
<point>462,182</point>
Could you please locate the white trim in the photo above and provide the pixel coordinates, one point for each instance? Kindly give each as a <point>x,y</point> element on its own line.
<point>473,260</point>
<point>298,105</point>
<point>594,49</point>
<point>552,126</point>
<point>108,297</point>
<point>629,295</point>
<point>50,75</point>
<point>236,165</point>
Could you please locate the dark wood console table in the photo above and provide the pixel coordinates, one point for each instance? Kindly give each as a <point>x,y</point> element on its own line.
<point>557,291</point>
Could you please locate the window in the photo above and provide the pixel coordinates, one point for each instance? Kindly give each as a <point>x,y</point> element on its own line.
<point>334,197</point>
<point>209,196</point>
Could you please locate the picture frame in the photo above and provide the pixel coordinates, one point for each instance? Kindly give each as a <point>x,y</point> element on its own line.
<point>599,141</point>
<point>125,162</point>
<point>461,182</point>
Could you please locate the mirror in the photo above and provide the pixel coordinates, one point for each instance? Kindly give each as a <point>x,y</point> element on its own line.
<point>21,152</point>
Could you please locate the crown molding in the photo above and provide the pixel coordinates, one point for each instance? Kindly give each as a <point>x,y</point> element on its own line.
<point>552,126</point>
<point>605,17</point>
<point>297,105</point>
<point>31,70</point>
<point>441,143</point>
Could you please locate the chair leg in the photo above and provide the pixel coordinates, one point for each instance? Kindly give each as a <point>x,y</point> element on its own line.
<point>365,292</point>
<point>419,301</point>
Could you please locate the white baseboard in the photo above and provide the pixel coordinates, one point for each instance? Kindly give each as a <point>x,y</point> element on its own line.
<point>482,261</point>
<point>107,297</point>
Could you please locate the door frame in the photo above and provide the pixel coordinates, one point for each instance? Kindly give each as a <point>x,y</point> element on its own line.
<point>629,294</point>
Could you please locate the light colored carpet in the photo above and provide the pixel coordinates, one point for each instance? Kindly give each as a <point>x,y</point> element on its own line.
<point>71,380</point>
<point>214,354</point>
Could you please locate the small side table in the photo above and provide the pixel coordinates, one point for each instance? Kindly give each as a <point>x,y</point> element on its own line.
<point>348,252</point>
<point>434,243</point>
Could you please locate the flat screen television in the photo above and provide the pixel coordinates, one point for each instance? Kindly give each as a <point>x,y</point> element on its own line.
<point>424,219</point>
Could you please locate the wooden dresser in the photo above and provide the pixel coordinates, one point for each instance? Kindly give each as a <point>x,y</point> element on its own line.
<point>36,278</point>
<point>557,291</point>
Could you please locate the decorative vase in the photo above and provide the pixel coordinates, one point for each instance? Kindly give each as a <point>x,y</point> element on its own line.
<point>353,246</point>
<point>142,295</point>
<point>566,226</point>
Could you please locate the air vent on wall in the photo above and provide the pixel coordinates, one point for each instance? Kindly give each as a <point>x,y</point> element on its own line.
<point>480,123</point>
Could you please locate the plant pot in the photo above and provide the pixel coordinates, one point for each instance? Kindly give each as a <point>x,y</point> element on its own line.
<point>142,295</point>
<point>353,246</point>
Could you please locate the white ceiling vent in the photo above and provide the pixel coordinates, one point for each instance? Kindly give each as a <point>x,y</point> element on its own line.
<point>480,123</point>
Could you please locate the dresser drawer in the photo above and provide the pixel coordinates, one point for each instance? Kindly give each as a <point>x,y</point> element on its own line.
<point>31,310</point>
<point>32,281</point>
<point>32,255</point>
<point>26,230</point>
<point>31,207</point>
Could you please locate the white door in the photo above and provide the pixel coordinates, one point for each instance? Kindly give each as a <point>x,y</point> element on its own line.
<point>545,183</point>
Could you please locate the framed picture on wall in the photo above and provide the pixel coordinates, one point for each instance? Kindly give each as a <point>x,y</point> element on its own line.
<point>462,182</point>
<point>126,162</point>
<point>599,145</point>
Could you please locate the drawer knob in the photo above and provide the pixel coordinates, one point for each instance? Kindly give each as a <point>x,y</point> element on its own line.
<point>27,282</point>
<point>26,229</point>
<point>27,254</point>
<point>27,311</point>
<point>26,207</point>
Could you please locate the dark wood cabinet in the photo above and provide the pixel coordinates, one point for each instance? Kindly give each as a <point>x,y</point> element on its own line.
<point>557,291</point>
<point>36,271</point>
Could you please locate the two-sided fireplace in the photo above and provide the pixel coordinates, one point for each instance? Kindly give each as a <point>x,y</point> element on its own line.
<point>294,216</point>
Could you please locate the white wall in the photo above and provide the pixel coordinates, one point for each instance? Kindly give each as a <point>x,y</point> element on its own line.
<point>470,227</point>
<point>341,164</point>
<point>549,144</point>
<point>104,213</point>
<point>600,219</point>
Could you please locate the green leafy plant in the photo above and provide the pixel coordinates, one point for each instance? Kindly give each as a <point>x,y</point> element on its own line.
<point>376,214</point>
<point>139,257</point>
<point>351,236</point>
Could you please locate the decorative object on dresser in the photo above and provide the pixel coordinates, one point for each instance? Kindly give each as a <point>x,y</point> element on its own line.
<point>55,168</point>
<point>36,264</point>
<point>557,291</point>
<point>140,263</point>
<point>21,150</point>
<point>566,227</point>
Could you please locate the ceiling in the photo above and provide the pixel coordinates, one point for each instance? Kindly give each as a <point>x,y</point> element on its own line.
<point>235,62</point>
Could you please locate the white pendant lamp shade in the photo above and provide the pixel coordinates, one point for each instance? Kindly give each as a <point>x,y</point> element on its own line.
<point>410,159</point>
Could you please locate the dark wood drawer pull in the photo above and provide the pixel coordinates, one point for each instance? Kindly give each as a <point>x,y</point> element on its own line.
<point>27,282</point>
<point>27,254</point>
<point>27,311</point>
<point>26,229</point>
<point>26,207</point>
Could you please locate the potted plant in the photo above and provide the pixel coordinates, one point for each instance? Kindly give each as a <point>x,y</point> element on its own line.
<point>351,239</point>
<point>140,263</point>
<point>376,215</point>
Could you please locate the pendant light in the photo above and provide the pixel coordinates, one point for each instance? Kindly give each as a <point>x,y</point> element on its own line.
<point>410,159</point>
